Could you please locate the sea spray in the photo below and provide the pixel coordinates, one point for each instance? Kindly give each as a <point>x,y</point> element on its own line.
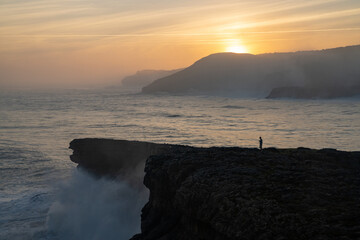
<point>96,208</point>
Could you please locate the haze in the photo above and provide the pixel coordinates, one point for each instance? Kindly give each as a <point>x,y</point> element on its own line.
<point>81,43</point>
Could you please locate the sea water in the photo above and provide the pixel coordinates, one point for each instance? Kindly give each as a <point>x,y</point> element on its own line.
<point>43,196</point>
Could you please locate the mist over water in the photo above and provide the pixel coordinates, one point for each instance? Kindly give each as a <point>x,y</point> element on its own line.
<point>42,196</point>
<point>89,208</point>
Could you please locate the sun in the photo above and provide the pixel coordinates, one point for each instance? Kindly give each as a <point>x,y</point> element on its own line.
<point>237,49</point>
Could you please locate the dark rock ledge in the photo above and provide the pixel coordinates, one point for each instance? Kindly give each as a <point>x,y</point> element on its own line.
<point>237,193</point>
<point>112,157</point>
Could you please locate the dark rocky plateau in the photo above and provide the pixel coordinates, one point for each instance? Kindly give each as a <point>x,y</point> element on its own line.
<point>236,193</point>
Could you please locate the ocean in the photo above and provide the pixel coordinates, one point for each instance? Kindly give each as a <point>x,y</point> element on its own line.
<point>44,196</point>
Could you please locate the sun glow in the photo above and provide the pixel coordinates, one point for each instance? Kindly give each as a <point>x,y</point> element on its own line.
<point>237,49</point>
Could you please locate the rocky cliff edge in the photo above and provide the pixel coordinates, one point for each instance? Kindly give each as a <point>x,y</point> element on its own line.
<point>238,193</point>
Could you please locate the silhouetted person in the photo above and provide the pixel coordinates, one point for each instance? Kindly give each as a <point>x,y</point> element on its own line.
<point>260,143</point>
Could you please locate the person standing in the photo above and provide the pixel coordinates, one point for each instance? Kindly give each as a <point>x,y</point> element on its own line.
<point>260,143</point>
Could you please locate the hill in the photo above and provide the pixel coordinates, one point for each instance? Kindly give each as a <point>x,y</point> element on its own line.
<point>246,74</point>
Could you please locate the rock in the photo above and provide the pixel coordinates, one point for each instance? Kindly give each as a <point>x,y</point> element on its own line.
<point>234,193</point>
<point>111,157</point>
<point>237,193</point>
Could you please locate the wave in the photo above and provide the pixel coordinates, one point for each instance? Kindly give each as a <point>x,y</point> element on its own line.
<point>173,116</point>
<point>233,107</point>
<point>90,208</point>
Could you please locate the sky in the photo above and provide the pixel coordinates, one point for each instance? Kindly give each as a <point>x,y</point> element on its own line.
<point>79,43</point>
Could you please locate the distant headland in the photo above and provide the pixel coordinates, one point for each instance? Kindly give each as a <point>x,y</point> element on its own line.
<point>326,73</point>
<point>145,77</point>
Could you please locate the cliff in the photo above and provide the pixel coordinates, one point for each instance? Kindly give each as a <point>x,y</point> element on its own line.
<point>238,193</point>
<point>256,75</point>
<point>112,157</point>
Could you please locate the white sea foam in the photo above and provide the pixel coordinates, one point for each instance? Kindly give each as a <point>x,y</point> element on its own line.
<point>96,209</point>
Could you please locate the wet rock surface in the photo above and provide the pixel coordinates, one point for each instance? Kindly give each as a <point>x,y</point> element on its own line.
<point>237,193</point>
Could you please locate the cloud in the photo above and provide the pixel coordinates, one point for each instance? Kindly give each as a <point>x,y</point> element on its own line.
<point>141,34</point>
<point>121,19</point>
